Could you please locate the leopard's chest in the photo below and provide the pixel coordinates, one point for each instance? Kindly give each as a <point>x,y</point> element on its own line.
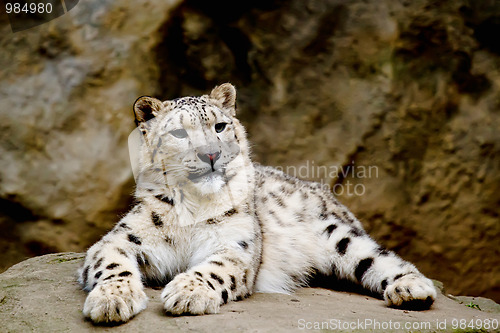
<point>175,250</point>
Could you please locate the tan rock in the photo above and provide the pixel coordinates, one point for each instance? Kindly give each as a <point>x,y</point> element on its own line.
<point>408,87</point>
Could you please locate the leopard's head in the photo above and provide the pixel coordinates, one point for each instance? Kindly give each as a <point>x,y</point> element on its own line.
<point>190,143</point>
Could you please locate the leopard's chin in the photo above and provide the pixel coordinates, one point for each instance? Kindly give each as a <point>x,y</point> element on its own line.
<point>209,183</point>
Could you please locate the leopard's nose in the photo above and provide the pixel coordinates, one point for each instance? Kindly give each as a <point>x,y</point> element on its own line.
<point>209,158</point>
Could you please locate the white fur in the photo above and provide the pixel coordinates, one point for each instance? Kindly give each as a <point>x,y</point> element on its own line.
<point>221,228</point>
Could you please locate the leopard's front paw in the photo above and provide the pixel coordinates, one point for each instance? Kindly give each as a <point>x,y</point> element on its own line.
<point>412,291</point>
<point>187,294</point>
<point>115,301</point>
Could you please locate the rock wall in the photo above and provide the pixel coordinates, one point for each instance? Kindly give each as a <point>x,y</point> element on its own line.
<point>393,104</point>
<point>66,89</point>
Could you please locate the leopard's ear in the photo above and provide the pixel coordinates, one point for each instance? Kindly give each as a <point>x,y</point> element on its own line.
<point>225,95</point>
<point>146,108</point>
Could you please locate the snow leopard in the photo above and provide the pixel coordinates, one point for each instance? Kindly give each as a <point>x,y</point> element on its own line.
<point>209,226</point>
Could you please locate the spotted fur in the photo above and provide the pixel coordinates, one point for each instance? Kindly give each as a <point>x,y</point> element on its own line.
<point>212,227</point>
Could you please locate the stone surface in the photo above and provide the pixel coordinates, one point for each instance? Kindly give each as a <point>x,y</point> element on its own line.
<point>411,88</point>
<point>41,295</point>
<point>67,89</point>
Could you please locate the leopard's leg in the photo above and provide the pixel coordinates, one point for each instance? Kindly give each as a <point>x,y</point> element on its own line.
<point>111,275</point>
<point>222,277</point>
<point>355,256</point>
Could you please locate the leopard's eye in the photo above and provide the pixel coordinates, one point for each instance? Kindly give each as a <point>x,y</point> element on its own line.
<point>179,133</point>
<point>219,127</point>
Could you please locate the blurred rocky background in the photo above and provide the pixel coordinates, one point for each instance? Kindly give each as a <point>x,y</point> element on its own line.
<point>409,88</point>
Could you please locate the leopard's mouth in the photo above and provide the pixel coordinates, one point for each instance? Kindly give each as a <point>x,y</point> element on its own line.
<point>210,173</point>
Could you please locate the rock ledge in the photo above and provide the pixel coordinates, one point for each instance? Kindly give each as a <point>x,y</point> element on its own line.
<point>41,294</point>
